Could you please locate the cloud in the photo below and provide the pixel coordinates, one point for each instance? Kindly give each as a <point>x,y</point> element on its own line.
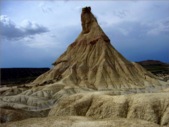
<point>10,30</point>
<point>45,8</point>
<point>159,27</point>
<point>31,28</point>
<point>120,13</point>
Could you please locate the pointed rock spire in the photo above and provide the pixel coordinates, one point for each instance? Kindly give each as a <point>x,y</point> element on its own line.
<point>91,31</point>
<point>91,61</point>
<point>87,19</point>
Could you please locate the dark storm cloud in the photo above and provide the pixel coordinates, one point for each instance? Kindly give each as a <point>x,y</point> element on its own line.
<point>10,30</point>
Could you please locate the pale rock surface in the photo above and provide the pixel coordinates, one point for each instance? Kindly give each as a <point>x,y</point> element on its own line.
<point>152,107</point>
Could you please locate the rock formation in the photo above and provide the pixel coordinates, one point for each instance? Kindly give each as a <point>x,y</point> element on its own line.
<point>91,61</point>
<point>150,107</point>
<point>91,84</point>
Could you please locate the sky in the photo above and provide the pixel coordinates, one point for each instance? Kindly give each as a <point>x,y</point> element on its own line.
<point>34,33</point>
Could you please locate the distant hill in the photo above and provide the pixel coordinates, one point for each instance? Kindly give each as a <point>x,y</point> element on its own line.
<point>155,66</point>
<point>12,76</point>
<point>152,62</point>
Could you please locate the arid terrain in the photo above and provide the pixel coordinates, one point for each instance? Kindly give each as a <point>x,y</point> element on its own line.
<point>90,84</point>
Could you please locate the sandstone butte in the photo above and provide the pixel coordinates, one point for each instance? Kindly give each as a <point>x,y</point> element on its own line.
<point>90,84</point>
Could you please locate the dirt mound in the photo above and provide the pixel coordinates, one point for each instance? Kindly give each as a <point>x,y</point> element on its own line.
<point>149,107</point>
<point>92,62</point>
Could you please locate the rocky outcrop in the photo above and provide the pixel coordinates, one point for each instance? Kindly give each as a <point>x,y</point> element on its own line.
<point>149,107</point>
<point>92,62</point>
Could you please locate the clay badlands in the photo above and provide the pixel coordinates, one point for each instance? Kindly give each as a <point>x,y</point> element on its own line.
<point>91,84</point>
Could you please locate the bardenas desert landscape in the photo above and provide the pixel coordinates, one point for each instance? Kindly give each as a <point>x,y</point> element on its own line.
<point>90,84</point>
